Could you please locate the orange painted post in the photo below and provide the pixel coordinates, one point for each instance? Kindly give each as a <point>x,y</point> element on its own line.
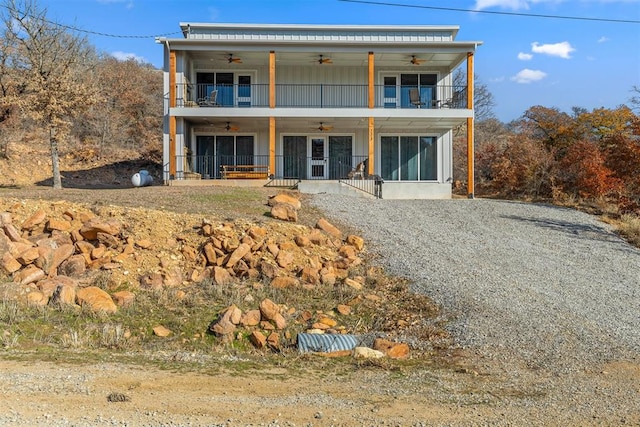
<point>272,79</point>
<point>470,124</point>
<point>372,103</point>
<point>272,120</point>
<point>372,139</point>
<point>272,145</point>
<point>172,119</point>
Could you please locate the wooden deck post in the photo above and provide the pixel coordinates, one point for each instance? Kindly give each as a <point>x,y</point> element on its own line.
<point>272,120</point>
<point>372,103</point>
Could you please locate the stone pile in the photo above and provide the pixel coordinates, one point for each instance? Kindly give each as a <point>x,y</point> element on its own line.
<point>53,258</point>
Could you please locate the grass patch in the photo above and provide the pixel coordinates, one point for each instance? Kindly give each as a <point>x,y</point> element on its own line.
<point>629,227</point>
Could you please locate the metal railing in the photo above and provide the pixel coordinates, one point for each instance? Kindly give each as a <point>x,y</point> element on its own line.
<point>286,167</point>
<point>289,170</point>
<point>319,96</point>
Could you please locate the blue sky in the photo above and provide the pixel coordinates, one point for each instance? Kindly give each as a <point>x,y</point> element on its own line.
<point>524,60</point>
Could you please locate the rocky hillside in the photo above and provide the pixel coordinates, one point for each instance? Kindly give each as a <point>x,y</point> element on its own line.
<point>59,254</point>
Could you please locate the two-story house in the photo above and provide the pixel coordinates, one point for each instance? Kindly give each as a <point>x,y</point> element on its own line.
<point>317,106</point>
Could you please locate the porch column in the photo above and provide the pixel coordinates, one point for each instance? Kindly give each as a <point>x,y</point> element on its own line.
<point>470,124</point>
<point>272,120</point>
<point>172,119</point>
<point>372,104</point>
<point>272,145</point>
<point>272,79</point>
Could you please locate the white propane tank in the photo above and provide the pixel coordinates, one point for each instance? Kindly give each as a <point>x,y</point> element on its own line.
<point>141,179</point>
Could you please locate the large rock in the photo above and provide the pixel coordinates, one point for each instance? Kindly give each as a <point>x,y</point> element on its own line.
<point>329,228</point>
<point>29,274</point>
<point>96,299</point>
<point>269,309</point>
<point>96,225</point>
<point>74,266</point>
<point>286,199</point>
<point>391,349</point>
<point>258,339</point>
<point>221,276</point>
<point>34,220</point>
<point>251,318</point>
<point>64,295</point>
<point>367,353</point>
<point>284,212</point>
<point>9,263</point>
<point>237,255</point>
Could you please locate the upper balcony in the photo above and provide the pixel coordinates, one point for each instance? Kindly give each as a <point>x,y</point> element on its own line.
<point>319,96</point>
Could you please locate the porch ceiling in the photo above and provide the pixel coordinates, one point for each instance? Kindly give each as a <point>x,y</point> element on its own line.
<point>337,124</point>
<point>398,58</point>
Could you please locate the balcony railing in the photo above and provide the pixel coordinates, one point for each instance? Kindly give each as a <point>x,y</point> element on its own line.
<point>320,96</point>
<point>286,167</point>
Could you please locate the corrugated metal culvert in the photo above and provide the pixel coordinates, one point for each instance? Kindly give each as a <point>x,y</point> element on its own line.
<point>326,343</point>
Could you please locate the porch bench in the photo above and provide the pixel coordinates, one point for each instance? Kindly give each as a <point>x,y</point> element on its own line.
<point>245,171</point>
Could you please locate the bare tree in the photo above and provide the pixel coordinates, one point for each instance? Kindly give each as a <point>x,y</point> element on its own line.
<point>52,64</point>
<point>635,99</point>
<point>483,101</point>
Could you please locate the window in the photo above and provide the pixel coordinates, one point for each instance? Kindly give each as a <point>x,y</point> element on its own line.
<point>425,83</point>
<point>409,158</point>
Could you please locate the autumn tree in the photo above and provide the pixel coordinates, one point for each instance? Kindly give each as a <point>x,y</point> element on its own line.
<point>555,129</point>
<point>52,65</point>
<point>603,123</point>
<point>583,172</point>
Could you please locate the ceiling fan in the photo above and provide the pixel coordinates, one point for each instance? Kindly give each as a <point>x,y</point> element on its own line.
<point>323,60</point>
<point>323,128</point>
<point>231,59</point>
<point>416,61</point>
<point>230,128</point>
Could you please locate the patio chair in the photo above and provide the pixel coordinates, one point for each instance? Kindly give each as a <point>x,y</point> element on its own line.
<point>414,98</point>
<point>209,101</point>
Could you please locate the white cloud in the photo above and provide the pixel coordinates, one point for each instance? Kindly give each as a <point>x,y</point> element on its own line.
<point>528,76</point>
<point>125,56</point>
<point>526,4</point>
<point>562,49</point>
<point>525,56</point>
<point>603,39</point>
<point>506,4</point>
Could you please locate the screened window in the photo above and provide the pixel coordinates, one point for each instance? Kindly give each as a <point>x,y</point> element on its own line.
<point>409,158</point>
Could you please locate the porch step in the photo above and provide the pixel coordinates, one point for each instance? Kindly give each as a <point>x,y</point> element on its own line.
<point>331,187</point>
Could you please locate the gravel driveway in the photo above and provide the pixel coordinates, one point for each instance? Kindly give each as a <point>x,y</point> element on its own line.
<point>552,288</point>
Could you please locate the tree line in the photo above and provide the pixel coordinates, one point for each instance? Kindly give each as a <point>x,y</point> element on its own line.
<point>53,80</point>
<point>553,155</point>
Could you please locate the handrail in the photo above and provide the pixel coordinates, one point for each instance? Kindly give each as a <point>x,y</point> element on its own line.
<point>320,95</point>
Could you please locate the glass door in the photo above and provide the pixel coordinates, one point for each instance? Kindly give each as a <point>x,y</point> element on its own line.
<point>244,91</point>
<point>340,156</point>
<point>294,156</point>
<point>318,157</point>
<point>224,84</point>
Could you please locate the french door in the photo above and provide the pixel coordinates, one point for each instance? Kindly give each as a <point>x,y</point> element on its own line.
<point>234,89</point>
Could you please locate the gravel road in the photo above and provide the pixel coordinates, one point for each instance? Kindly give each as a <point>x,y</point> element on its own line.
<point>551,287</point>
